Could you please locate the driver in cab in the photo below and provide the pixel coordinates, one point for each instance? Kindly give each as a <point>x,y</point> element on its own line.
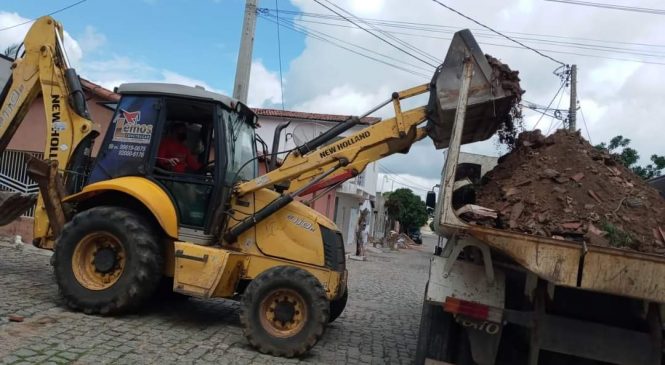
<point>174,155</point>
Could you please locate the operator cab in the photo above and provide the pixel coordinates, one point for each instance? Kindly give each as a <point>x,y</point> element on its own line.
<point>194,143</point>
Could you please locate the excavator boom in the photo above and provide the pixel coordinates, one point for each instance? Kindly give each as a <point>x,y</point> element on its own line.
<point>493,91</point>
<point>43,69</point>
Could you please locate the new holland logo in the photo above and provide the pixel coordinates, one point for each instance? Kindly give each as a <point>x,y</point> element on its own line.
<point>128,129</point>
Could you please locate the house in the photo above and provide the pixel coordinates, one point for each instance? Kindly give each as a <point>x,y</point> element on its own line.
<point>341,205</point>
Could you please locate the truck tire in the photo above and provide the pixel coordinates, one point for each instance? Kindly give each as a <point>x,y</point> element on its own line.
<point>107,260</point>
<point>284,311</point>
<point>437,335</point>
<point>337,306</point>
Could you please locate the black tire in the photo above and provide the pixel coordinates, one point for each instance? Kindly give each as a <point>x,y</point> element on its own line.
<point>142,263</point>
<point>437,335</point>
<point>257,327</point>
<point>165,293</point>
<point>337,306</point>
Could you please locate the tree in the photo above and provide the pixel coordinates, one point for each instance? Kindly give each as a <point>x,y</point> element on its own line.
<point>10,51</point>
<point>619,147</point>
<point>407,208</point>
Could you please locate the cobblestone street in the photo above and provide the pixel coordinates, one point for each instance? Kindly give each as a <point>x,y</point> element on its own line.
<point>379,325</point>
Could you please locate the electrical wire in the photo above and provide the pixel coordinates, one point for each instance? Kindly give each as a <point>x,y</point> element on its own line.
<point>612,6</point>
<point>452,28</point>
<point>553,119</point>
<point>325,35</point>
<point>432,58</point>
<point>393,175</point>
<point>497,32</point>
<point>550,104</point>
<point>49,14</point>
<point>279,55</point>
<point>302,31</point>
<point>375,35</point>
<point>585,126</point>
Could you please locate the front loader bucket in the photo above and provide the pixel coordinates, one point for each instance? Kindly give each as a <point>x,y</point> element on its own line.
<point>493,92</point>
<point>13,205</point>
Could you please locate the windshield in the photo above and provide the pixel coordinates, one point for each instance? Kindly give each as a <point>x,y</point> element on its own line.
<point>241,147</point>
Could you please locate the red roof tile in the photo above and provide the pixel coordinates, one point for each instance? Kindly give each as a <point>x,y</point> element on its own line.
<point>99,90</point>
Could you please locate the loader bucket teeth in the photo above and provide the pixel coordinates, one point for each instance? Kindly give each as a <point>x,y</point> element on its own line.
<point>493,92</point>
<point>13,205</point>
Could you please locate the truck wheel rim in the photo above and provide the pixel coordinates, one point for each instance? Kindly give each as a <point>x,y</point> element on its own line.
<point>98,261</point>
<point>283,313</point>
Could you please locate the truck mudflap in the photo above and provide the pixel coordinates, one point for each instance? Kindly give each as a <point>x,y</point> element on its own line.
<point>476,301</point>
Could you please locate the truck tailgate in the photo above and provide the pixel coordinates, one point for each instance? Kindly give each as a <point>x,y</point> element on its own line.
<point>566,263</point>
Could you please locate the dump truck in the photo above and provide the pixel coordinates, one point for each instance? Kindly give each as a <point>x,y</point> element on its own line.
<point>174,195</point>
<point>495,296</point>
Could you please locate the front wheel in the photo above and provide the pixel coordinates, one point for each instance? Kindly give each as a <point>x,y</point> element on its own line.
<point>107,260</point>
<point>284,311</point>
<point>337,306</point>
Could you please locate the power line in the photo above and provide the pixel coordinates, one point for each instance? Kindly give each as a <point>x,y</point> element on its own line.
<point>585,126</point>
<point>311,31</point>
<point>563,83</point>
<point>377,36</point>
<point>578,45</point>
<point>553,119</point>
<point>279,55</point>
<point>304,31</point>
<point>591,47</point>
<point>612,6</point>
<point>387,34</point>
<point>393,174</point>
<point>51,13</point>
<point>497,32</point>
<point>432,27</point>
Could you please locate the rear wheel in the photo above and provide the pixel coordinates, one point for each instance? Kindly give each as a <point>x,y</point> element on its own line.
<point>337,306</point>
<point>437,337</point>
<point>284,311</point>
<point>107,260</point>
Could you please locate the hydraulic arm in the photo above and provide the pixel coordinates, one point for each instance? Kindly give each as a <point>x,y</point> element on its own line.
<point>322,162</point>
<point>44,69</point>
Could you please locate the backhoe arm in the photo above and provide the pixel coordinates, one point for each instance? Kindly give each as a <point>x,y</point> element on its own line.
<point>350,155</point>
<point>44,70</point>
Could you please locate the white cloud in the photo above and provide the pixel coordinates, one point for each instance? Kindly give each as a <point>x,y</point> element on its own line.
<point>264,86</point>
<point>616,97</point>
<point>91,39</point>
<point>16,35</point>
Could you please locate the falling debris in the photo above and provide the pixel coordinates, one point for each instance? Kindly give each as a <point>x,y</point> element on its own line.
<point>562,187</point>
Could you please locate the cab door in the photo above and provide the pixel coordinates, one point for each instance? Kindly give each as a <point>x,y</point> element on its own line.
<point>185,164</point>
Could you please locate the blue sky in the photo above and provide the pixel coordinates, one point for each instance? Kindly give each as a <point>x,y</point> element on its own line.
<point>199,39</point>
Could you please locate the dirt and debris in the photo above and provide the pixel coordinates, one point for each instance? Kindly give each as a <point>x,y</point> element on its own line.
<point>562,187</point>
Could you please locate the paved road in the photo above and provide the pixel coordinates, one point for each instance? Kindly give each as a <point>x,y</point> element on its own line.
<point>379,326</point>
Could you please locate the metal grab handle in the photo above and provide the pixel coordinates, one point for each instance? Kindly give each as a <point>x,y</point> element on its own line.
<point>182,255</point>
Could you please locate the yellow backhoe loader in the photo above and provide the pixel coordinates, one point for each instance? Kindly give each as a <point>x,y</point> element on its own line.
<point>174,196</point>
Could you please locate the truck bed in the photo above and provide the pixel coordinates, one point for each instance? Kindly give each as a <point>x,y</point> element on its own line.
<point>566,263</point>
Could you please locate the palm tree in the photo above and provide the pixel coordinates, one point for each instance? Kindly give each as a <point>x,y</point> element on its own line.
<point>11,50</point>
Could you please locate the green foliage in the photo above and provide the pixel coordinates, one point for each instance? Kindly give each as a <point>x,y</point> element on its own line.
<point>407,208</point>
<point>616,236</point>
<point>10,51</point>
<point>619,148</point>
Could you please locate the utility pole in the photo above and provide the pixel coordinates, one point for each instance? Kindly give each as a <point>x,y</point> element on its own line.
<point>572,113</point>
<point>244,65</point>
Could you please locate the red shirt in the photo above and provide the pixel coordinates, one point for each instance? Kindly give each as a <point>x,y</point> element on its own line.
<point>172,148</point>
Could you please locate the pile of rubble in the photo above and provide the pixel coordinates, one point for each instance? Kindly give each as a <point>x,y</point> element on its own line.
<point>562,187</point>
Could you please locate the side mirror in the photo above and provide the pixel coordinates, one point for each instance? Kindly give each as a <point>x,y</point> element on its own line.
<point>430,201</point>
